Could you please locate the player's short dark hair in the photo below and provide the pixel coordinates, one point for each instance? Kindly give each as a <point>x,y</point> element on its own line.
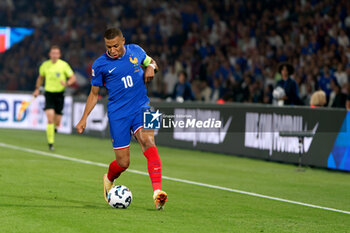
<point>290,68</point>
<point>112,33</point>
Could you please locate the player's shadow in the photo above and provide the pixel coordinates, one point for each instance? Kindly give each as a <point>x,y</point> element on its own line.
<point>78,204</point>
<point>149,209</point>
<point>154,210</point>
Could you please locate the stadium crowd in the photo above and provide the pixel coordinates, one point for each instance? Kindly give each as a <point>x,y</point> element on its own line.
<point>228,50</point>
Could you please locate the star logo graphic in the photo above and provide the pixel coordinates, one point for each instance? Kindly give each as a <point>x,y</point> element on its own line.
<point>155,115</point>
<point>151,120</point>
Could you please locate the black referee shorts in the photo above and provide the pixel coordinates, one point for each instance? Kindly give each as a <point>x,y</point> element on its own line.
<point>54,101</point>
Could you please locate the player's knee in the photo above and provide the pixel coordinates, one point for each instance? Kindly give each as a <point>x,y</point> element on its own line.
<point>124,163</point>
<point>147,142</point>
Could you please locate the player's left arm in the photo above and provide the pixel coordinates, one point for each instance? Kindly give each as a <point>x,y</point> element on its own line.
<point>151,68</point>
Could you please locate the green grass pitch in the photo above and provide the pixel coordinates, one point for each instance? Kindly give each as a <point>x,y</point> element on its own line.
<point>44,194</point>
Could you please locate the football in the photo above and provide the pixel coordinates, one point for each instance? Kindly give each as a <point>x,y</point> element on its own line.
<point>119,197</point>
<point>278,93</point>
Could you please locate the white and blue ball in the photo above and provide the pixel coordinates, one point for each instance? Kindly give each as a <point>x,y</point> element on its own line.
<point>278,92</point>
<point>119,197</point>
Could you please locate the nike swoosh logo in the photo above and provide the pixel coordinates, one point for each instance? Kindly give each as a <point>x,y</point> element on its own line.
<point>110,71</point>
<point>223,131</point>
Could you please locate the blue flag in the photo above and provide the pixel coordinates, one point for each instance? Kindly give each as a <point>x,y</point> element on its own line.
<point>11,35</point>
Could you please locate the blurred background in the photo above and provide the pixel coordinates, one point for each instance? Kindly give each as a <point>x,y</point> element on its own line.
<point>227,51</point>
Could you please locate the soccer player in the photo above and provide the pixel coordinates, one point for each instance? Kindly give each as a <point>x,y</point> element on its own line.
<point>119,70</point>
<point>55,72</point>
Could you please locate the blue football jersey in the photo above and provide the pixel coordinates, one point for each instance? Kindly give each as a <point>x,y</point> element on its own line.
<point>123,78</point>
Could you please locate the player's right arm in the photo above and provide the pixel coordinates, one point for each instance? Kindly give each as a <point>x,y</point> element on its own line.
<point>39,82</point>
<point>90,104</point>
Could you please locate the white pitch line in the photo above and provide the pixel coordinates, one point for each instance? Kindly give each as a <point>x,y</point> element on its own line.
<point>170,178</point>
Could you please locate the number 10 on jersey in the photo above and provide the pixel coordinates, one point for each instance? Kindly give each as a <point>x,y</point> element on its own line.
<point>127,81</point>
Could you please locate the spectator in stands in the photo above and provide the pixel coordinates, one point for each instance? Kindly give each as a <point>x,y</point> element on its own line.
<point>245,87</point>
<point>267,98</point>
<point>337,99</point>
<point>324,81</point>
<point>318,99</point>
<point>309,92</point>
<point>347,103</point>
<point>288,84</point>
<point>341,76</point>
<point>183,90</point>
<point>170,80</point>
<point>205,91</point>
<point>343,39</point>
